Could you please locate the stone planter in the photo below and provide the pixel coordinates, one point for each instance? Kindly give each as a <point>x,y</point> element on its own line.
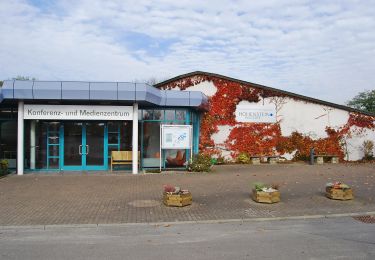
<point>177,200</point>
<point>339,194</point>
<point>255,160</point>
<point>266,197</point>
<point>272,160</point>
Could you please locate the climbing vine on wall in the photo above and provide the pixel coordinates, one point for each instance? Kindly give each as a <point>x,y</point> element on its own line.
<point>257,138</point>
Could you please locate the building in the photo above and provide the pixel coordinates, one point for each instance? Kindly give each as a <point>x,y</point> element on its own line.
<point>66,125</point>
<point>259,120</point>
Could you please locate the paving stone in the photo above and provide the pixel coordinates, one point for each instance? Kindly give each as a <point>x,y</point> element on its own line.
<point>102,198</point>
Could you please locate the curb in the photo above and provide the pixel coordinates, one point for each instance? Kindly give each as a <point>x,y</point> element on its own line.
<point>218,221</point>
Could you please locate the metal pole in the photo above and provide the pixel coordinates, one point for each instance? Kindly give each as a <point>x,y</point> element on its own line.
<point>312,156</point>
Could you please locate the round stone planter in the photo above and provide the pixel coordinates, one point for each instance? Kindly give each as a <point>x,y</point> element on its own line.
<point>266,197</point>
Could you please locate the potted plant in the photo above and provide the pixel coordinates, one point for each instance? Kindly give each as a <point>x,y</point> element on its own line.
<point>175,196</point>
<point>339,191</point>
<point>264,193</point>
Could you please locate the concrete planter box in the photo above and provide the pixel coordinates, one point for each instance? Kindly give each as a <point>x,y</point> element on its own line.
<point>255,160</point>
<point>266,197</point>
<point>272,160</point>
<point>339,194</point>
<point>177,200</point>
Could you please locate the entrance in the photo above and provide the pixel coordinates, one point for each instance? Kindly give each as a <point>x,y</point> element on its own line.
<point>84,146</point>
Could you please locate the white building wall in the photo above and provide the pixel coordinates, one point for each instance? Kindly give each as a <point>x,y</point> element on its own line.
<point>206,87</point>
<point>295,115</point>
<point>355,145</point>
<point>309,118</point>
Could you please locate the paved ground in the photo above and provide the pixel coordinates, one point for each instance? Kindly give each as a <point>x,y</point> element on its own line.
<point>92,198</point>
<point>339,238</point>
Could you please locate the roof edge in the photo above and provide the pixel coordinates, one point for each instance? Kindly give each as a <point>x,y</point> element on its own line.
<point>298,96</point>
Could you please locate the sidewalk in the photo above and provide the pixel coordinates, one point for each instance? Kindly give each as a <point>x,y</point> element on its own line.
<point>92,198</point>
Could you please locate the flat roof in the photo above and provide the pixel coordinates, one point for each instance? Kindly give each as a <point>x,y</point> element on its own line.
<point>35,90</point>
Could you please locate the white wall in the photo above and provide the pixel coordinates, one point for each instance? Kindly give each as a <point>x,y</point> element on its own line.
<point>309,118</point>
<point>295,115</point>
<point>207,87</point>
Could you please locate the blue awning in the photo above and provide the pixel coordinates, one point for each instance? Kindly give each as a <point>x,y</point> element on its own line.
<point>100,91</point>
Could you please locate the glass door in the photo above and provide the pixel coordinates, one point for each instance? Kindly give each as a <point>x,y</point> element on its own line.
<point>73,146</point>
<point>84,145</point>
<point>94,145</point>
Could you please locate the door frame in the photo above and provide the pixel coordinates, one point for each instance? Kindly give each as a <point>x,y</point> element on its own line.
<point>84,166</point>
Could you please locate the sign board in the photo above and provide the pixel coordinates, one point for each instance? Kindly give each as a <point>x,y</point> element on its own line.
<point>176,136</point>
<point>72,112</point>
<point>255,114</point>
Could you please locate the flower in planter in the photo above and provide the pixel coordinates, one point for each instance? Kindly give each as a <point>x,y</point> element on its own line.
<point>339,191</point>
<point>259,186</point>
<point>264,193</point>
<point>169,189</point>
<point>337,185</point>
<point>175,196</point>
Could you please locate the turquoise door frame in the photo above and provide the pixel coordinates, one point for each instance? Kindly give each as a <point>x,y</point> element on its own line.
<point>84,151</point>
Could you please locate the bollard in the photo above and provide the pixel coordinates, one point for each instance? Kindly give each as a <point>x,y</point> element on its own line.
<point>312,156</point>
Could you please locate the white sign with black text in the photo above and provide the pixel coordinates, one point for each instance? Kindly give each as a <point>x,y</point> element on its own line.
<point>255,114</point>
<point>79,112</point>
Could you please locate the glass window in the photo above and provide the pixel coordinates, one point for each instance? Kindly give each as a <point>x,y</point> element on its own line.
<point>47,143</point>
<point>148,114</point>
<point>151,144</point>
<point>158,115</point>
<point>175,158</point>
<point>169,115</point>
<point>8,142</point>
<point>8,113</point>
<point>180,115</point>
<point>53,150</point>
<point>126,130</point>
<point>112,127</point>
<point>53,163</point>
<point>113,138</point>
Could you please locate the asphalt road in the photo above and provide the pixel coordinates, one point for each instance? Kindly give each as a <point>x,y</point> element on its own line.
<point>333,238</point>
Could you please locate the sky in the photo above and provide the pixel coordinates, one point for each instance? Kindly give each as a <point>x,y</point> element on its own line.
<point>322,49</point>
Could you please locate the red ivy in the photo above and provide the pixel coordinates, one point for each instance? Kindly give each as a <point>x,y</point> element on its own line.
<point>261,139</point>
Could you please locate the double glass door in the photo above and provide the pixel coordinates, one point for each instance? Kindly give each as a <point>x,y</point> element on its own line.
<point>84,146</point>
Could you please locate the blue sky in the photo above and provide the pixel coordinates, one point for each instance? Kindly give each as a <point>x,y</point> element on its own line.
<point>322,49</point>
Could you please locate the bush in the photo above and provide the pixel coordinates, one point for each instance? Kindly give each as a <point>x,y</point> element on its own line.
<point>217,161</point>
<point>4,167</point>
<point>367,148</point>
<point>220,160</point>
<point>243,158</point>
<point>200,163</point>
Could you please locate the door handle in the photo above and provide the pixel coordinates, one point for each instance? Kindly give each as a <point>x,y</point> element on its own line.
<point>87,148</point>
<point>80,150</point>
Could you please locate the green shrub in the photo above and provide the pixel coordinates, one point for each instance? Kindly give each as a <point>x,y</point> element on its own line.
<point>258,186</point>
<point>220,160</point>
<point>217,161</point>
<point>243,158</point>
<point>4,167</point>
<point>200,163</point>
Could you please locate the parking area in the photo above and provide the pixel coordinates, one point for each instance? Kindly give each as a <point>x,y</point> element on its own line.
<point>98,198</point>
